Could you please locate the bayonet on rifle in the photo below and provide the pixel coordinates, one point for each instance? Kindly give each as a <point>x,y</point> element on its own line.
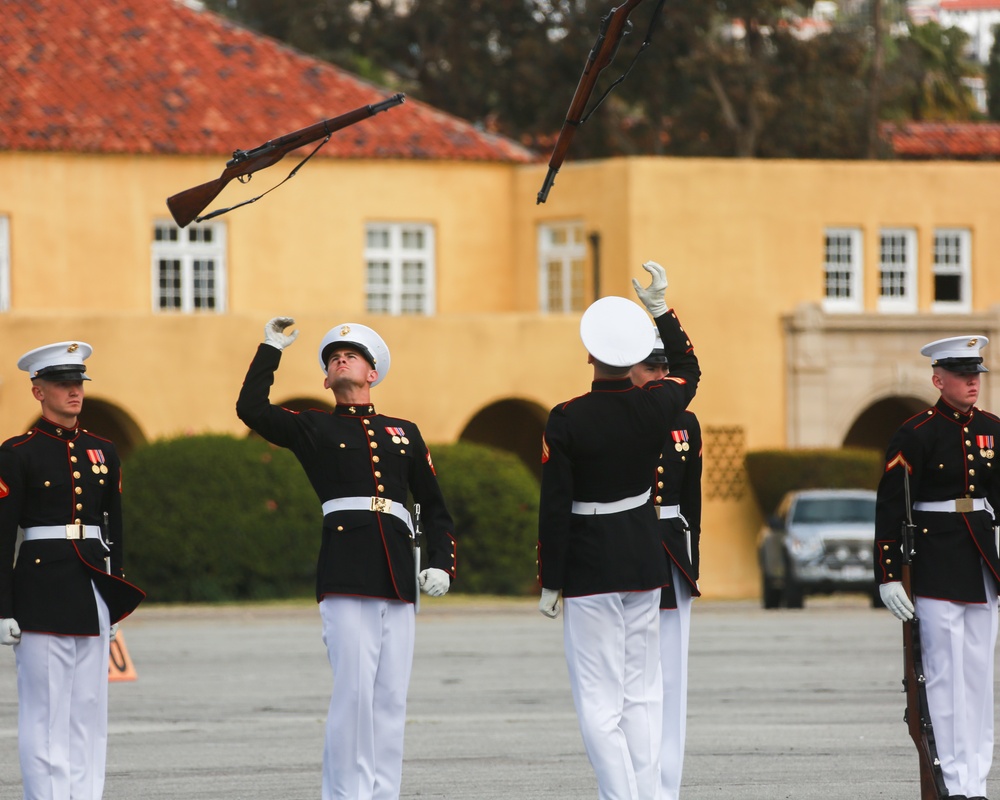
<point>917,714</point>
<point>615,26</point>
<point>187,205</point>
<point>418,537</point>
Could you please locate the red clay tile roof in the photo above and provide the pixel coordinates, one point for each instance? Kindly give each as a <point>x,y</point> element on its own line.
<point>970,5</point>
<point>944,140</point>
<point>159,76</point>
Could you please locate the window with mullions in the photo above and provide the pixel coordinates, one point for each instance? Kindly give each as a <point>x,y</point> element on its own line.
<point>897,270</point>
<point>189,268</point>
<point>562,256</point>
<point>952,270</point>
<point>399,268</point>
<point>842,270</point>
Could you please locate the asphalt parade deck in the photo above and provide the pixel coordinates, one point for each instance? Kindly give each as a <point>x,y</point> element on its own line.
<point>230,704</point>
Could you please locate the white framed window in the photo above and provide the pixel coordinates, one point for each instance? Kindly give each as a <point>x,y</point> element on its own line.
<point>897,270</point>
<point>562,255</point>
<point>399,268</point>
<point>842,270</point>
<point>952,268</point>
<point>189,267</point>
<point>4,263</point>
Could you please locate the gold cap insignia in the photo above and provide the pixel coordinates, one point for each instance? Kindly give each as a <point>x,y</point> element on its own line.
<point>345,329</point>
<point>73,348</point>
<point>973,342</point>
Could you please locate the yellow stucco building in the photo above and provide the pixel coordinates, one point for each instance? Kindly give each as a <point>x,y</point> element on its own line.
<point>806,287</point>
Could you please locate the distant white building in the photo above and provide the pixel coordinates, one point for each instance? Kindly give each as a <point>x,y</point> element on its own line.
<point>976,18</point>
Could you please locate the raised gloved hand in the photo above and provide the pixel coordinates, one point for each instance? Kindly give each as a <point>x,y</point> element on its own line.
<point>274,334</point>
<point>548,604</point>
<point>435,582</point>
<point>652,295</point>
<point>896,601</point>
<point>113,632</point>
<point>10,631</point>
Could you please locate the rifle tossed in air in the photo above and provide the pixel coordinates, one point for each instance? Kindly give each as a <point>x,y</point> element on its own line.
<point>917,714</point>
<point>186,206</point>
<point>615,26</point>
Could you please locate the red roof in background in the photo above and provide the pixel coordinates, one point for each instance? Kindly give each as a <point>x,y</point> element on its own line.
<point>956,140</point>
<point>158,76</point>
<point>970,5</point>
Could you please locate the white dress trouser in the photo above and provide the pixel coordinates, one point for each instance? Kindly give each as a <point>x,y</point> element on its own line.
<point>369,642</point>
<point>612,644</point>
<point>675,633</point>
<point>958,642</point>
<point>62,713</point>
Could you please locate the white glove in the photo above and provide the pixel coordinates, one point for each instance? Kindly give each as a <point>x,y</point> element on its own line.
<point>274,332</point>
<point>652,296</point>
<point>896,601</point>
<point>10,631</point>
<point>548,604</point>
<point>113,632</point>
<point>435,582</point>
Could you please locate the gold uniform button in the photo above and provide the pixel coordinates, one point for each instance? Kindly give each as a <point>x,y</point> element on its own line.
<point>73,459</point>
<point>48,483</point>
<point>371,432</point>
<point>77,521</point>
<point>378,474</point>
<point>888,561</point>
<point>972,488</point>
<point>659,499</point>
<point>340,527</point>
<point>343,445</point>
<point>78,490</point>
<point>101,481</point>
<point>972,472</point>
<point>925,530</point>
<point>79,506</point>
<point>375,459</point>
<point>76,474</point>
<point>71,445</point>
<point>885,547</point>
<point>660,469</point>
<point>367,421</point>
<point>381,488</point>
<point>970,456</point>
<point>968,443</point>
<point>659,484</point>
<point>373,444</point>
<point>38,561</point>
<point>890,574</point>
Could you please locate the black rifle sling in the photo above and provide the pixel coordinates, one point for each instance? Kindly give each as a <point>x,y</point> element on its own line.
<point>246,179</point>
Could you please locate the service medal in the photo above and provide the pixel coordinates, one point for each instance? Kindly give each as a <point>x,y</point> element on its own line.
<point>985,445</point>
<point>96,469</point>
<point>679,446</point>
<point>396,440</point>
<point>680,440</point>
<point>989,454</point>
<point>97,461</point>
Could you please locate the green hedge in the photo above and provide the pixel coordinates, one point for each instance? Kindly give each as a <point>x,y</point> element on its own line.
<point>218,518</point>
<point>211,518</point>
<point>493,498</point>
<point>774,472</point>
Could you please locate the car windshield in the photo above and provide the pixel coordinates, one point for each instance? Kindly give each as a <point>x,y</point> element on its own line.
<point>834,509</point>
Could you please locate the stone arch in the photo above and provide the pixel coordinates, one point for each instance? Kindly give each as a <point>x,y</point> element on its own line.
<point>513,424</point>
<point>876,424</point>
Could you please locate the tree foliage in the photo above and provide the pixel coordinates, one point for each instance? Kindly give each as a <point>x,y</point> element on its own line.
<point>722,78</point>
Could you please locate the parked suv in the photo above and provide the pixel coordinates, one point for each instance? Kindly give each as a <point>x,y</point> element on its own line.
<point>818,541</point>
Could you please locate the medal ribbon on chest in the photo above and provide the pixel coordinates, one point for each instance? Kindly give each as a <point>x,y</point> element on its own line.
<point>680,440</point>
<point>97,462</point>
<point>398,435</point>
<point>985,444</point>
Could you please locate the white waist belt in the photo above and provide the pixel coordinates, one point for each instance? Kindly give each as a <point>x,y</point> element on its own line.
<point>671,512</point>
<point>381,504</point>
<point>611,508</point>
<point>963,505</point>
<point>63,532</point>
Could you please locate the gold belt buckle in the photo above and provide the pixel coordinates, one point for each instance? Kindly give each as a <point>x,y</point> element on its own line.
<point>76,530</point>
<point>382,504</point>
<point>963,505</point>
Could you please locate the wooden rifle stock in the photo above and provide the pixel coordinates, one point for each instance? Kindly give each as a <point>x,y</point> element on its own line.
<point>187,205</point>
<point>917,714</point>
<point>614,26</point>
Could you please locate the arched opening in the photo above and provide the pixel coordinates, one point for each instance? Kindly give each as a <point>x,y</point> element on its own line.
<point>875,426</point>
<point>513,425</point>
<point>105,419</point>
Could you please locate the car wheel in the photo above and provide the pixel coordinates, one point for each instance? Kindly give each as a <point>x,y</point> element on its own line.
<point>770,595</point>
<point>792,596</point>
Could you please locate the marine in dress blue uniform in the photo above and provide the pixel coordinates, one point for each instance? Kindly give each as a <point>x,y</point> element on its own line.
<point>949,453</point>
<point>62,599</point>
<point>599,544</point>
<point>677,487</point>
<point>361,464</point>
